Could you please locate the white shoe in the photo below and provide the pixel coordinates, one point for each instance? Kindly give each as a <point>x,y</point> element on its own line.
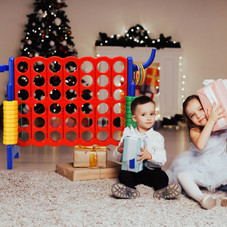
<point>208,202</point>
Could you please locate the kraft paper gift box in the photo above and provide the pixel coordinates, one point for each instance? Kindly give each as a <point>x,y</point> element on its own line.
<point>67,170</point>
<point>89,156</point>
<point>131,150</point>
<point>215,92</point>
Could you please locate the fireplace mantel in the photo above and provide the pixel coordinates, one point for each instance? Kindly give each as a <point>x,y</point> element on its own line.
<point>170,60</point>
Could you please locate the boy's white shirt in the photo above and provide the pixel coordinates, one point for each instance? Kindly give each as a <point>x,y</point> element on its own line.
<point>155,145</point>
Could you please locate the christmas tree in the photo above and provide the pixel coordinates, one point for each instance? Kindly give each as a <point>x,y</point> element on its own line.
<point>47,32</point>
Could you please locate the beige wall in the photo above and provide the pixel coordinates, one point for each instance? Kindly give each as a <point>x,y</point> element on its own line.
<point>200,26</point>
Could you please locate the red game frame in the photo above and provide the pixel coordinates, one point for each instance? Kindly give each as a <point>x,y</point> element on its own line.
<point>41,128</point>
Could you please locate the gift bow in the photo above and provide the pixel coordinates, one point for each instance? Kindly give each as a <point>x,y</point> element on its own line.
<point>93,159</point>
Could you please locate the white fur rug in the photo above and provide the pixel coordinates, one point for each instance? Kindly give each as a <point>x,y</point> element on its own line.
<point>48,199</point>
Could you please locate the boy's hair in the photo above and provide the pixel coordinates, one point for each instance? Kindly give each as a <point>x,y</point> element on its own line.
<point>140,100</point>
<point>186,117</point>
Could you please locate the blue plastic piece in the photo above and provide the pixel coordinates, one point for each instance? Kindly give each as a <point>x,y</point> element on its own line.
<point>12,152</point>
<point>9,156</point>
<point>131,85</point>
<point>132,68</point>
<point>148,62</point>
<point>4,68</point>
<point>10,86</point>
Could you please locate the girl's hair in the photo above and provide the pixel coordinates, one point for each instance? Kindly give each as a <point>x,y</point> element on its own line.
<point>186,117</point>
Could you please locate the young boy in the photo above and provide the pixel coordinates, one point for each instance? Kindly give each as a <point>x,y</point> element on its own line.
<point>153,156</point>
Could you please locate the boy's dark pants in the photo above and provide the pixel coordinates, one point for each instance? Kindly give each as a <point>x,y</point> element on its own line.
<point>156,178</point>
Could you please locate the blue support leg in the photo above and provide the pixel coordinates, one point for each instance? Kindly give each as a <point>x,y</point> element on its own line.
<point>9,156</point>
<point>16,155</point>
<point>12,152</point>
<point>15,151</point>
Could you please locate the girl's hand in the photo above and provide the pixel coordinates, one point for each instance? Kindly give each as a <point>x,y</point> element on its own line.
<point>144,155</point>
<point>200,138</point>
<point>215,113</point>
<point>121,147</point>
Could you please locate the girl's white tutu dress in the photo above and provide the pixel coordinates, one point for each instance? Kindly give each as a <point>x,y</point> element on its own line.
<point>208,166</point>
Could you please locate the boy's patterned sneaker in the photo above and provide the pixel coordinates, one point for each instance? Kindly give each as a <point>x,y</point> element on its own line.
<point>208,202</point>
<point>123,192</point>
<point>171,191</point>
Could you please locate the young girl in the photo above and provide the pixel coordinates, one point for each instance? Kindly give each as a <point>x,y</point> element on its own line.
<point>205,163</point>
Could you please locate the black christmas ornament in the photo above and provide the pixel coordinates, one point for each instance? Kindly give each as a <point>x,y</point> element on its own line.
<point>136,36</point>
<point>47,32</point>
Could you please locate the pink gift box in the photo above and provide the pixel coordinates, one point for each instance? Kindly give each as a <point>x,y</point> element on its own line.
<point>215,92</point>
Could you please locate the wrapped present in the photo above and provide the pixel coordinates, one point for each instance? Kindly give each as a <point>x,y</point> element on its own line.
<point>89,156</point>
<point>67,170</point>
<point>131,150</point>
<point>215,92</point>
<point>152,77</point>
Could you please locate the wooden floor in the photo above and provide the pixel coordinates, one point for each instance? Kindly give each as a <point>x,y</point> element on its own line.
<point>45,158</point>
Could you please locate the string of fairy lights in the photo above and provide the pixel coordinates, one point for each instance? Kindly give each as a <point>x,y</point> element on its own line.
<point>182,80</point>
<point>136,36</point>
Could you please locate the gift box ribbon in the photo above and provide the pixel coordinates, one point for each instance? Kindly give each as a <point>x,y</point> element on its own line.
<point>93,158</point>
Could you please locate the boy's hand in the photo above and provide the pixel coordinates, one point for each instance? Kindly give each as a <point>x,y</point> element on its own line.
<point>144,155</point>
<point>120,148</point>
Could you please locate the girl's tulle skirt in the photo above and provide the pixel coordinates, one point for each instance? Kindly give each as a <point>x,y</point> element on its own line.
<point>208,170</point>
